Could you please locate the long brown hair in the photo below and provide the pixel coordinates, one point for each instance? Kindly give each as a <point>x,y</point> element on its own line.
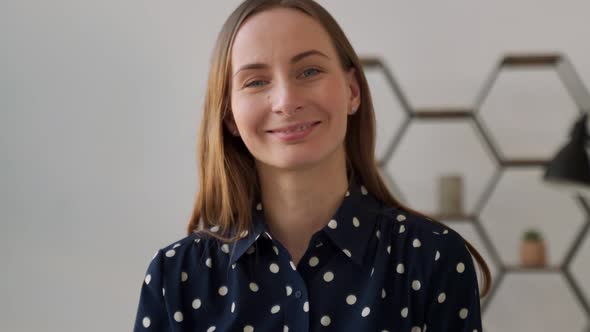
<point>228,178</point>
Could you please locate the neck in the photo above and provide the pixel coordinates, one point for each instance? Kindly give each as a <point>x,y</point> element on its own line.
<point>298,203</point>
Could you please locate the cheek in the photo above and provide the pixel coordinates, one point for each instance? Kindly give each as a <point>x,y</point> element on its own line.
<point>334,93</point>
<point>248,114</point>
<point>334,100</point>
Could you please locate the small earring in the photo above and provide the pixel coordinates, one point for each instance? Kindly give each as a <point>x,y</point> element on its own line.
<point>353,110</point>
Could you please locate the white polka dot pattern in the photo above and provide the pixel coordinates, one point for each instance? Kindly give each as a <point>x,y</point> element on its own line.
<point>351,299</point>
<point>274,268</point>
<point>313,261</point>
<point>366,311</point>
<point>196,303</point>
<point>178,316</point>
<point>368,270</point>
<point>328,276</point>
<point>333,224</point>
<point>254,287</point>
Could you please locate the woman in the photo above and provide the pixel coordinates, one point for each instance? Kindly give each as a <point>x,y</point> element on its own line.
<point>293,228</point>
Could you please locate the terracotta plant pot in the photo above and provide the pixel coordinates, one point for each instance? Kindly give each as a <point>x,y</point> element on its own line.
<point>532,253</point>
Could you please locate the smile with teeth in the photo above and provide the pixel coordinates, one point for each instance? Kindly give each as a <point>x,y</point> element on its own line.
<point>298,129</point>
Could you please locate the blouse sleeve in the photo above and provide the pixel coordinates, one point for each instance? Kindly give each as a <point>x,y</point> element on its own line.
<point>151,312</point>
<point>454,305</point>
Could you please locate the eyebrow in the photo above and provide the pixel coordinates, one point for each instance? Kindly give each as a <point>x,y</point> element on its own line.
<point>293,60</point>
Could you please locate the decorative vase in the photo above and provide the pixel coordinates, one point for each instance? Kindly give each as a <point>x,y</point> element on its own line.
<point>450,195</point>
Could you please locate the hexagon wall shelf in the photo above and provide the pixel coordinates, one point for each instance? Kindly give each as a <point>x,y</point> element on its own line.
<point>566,89</point>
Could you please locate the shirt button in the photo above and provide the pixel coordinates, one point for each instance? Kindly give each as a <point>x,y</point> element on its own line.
<point>298,294</point>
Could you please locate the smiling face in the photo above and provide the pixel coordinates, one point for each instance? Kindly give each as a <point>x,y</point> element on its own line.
<point>285,72</point>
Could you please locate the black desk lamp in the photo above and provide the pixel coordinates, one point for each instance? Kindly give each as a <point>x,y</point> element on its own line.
<point>570,167</point>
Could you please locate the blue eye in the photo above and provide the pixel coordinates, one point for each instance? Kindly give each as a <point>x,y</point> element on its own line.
<point>254,84</point>
<point>313,70</point>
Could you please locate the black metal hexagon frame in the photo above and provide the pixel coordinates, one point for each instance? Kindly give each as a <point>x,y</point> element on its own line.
<point>580,96</point>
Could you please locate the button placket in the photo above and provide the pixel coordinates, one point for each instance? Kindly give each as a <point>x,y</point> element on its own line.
<point>295,316</point>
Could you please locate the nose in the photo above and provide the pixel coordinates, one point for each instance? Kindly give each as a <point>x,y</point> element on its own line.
<point>286,98</point>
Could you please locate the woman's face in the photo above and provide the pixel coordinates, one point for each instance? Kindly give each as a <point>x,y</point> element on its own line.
<point>285,71</point>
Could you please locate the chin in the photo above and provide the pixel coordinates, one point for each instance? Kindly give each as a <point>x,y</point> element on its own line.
<point>294,164</point>
<point>300,160</point>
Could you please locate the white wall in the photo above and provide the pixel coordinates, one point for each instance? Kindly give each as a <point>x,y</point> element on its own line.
<point>99,109</point>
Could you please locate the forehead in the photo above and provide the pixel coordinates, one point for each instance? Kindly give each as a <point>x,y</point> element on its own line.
<point>278,34</point>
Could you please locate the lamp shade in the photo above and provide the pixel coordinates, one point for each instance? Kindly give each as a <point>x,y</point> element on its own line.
<point>570,167</point>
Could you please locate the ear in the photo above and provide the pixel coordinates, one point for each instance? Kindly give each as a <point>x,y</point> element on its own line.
<point>354,88</point>
<point>230,123</point>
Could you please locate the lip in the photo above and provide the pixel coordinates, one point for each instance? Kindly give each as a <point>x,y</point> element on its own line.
<point>294,126</point>
<point>291,137</point>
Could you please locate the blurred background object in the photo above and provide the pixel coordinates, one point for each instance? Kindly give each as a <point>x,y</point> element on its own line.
<point>570,167</point>
<point>517,195</point>
<point>532,249</point>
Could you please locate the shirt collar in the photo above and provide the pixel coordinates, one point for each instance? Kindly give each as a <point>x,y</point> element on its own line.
<point>354,222</point>
<point>247,240</point>
<point>350,228</point>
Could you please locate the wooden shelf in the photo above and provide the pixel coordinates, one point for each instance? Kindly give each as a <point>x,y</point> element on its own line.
<point>524,269</point>
<point>452,217</point>
<point>442,113</point>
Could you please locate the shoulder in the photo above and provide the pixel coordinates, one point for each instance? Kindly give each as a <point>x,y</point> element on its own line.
<point>444,252</point>
<point>429,242</point>
<point>404,223</point>
<point>194,252</point>
<point>429,248</point>
<point>179,248</point>
<point>169,254</point>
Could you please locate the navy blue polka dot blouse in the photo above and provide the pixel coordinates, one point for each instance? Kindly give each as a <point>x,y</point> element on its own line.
<point>371,268</point>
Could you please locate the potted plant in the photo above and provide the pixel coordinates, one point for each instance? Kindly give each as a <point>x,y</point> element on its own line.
<point>532,249</point>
